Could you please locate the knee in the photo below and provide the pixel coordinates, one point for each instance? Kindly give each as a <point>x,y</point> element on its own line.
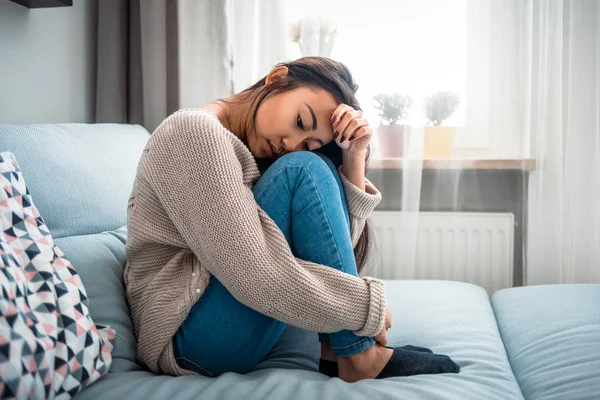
<point>315,162</point>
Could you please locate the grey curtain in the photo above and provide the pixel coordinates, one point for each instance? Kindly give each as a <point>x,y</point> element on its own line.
<point>157,56</point>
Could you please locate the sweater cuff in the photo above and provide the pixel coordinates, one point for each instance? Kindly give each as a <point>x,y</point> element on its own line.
<point>377,309</point>
<point>360,204</point>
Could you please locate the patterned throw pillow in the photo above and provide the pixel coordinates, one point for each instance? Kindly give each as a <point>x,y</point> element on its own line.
<point>49,345</point>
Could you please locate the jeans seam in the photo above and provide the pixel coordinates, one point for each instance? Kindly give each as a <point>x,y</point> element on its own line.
<point>337,250</point>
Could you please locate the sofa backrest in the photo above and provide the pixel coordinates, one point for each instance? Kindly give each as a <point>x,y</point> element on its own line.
<point>80,175</point>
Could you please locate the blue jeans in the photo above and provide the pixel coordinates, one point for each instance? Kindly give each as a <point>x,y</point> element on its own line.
<point>303,194</point>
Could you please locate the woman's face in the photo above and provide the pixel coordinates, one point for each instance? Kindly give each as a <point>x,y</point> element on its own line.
<point>296,120</point>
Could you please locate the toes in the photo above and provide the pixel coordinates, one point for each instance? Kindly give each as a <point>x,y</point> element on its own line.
<point>448,365</point>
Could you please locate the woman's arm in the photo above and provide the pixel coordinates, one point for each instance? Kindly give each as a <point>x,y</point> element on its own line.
<point>193,169</point>
<point>353,166</point>
<point>353,134</point>
<point>361,204</point>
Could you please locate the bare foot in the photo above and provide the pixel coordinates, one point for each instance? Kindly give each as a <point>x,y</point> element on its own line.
<point>365,365</point>
<point>327,352</point>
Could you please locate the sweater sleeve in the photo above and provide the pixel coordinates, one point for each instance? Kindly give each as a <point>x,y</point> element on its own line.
<point>360,204</point>
<point>193,168</point>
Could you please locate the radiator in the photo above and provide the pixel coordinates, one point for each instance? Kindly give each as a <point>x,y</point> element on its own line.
<point>467,247</point>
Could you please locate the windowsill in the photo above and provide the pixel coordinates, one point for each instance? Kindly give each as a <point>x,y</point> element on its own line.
<point>525,164</point>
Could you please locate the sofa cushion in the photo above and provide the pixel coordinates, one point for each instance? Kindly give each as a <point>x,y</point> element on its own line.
<point>552,336</point>
<point>80,175</point>
<point>451,318</point>
<point>100,259</point>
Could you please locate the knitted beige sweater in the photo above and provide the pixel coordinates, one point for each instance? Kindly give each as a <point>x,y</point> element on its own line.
<point>192,214</point>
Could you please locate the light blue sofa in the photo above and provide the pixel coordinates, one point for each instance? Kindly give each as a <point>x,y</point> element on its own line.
<point>533,342</point>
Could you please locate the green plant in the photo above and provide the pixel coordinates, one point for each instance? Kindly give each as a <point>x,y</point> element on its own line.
<point>440,106</point>
<point>392,107</point>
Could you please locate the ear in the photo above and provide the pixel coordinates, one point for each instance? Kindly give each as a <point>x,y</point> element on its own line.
<point>277,73</point>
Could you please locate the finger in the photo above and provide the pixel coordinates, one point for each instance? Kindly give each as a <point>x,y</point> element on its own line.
<point>342,125</point>
<point>339,111</point>
<point>353,127</point>
<point>361,132</point>
<point>345,116</point>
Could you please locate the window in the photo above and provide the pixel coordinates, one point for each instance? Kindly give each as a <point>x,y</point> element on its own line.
<point>418,47</point>
<point>410,47</point>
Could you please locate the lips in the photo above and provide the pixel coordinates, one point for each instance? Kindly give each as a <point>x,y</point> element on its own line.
<point>272,151</point>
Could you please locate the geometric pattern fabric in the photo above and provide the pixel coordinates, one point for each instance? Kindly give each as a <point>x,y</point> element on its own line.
<point>49,345</point>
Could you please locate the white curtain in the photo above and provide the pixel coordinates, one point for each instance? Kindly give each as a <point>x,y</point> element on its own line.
<point>564,124</point>
<point>533,86</point>
<point>260,38</point>
<point>203,54</point>
<point>491,127</point>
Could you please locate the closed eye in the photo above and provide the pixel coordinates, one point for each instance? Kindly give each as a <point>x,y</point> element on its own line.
<point>300,125</point>
<point>299,122</point>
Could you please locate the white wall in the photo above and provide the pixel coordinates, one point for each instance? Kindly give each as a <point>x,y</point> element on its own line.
<point>47,63</point>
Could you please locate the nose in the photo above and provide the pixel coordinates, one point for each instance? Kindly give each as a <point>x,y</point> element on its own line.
<point>291,144</point>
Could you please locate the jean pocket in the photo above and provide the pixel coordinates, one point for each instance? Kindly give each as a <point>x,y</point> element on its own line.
<point>192,366</point>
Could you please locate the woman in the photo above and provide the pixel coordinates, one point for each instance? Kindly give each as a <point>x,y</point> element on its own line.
<point>221,257</point>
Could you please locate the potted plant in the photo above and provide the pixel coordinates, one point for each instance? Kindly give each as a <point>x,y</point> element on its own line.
<point>439,140</point>
<point>392,108</point>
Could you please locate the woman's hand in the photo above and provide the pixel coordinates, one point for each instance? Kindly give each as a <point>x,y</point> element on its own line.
<point>350,130</point>
<point>381,337</point>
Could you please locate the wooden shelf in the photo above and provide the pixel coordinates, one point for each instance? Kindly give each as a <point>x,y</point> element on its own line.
<point>525,164</point>
<point>44,3</point>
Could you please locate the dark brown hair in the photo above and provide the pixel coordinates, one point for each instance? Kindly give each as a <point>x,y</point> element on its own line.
<point>318,73</point>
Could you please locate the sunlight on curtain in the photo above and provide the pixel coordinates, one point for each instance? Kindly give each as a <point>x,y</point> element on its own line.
<point>468,48</point>
<point>489,160</point>
<point>397,46</point>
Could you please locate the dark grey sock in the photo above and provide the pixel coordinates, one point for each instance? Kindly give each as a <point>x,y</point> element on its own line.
<point>330,368</point>
<point>405,363</point>
<point>415,348</point>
